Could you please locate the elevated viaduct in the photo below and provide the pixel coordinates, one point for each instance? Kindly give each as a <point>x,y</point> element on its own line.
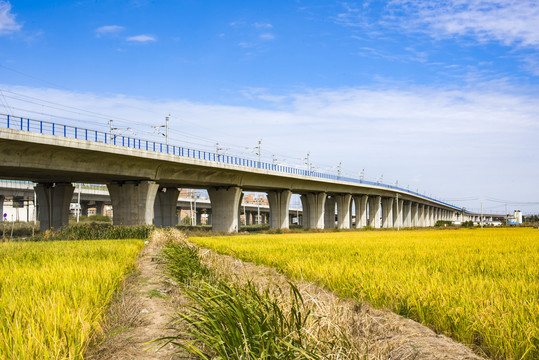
<point>143,177</point>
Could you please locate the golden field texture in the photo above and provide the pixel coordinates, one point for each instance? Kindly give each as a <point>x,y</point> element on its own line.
<point>54,295</point>
<point>480,287</point>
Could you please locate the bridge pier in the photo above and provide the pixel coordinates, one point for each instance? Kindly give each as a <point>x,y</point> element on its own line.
<point>54,200</point>
<point>374,211</point>
<point>164,208</point>
<point>2,198</point>
<point>279,202</point>
<point>225,204</point>
<point>343,210</point>
<point>415,214</point>
<point>387,213</point>
<point>313,210</point>
<point>360,202</point>
<point>329,213</point>
<point>407,213</point>
<point>420,215</point>
<point>133,202</point>
<point>99,207</point>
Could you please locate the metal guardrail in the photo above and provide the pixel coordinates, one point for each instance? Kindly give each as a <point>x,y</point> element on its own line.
<point>72,132</point>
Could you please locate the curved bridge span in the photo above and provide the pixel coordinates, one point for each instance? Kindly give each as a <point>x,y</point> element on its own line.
<point>143,178</point>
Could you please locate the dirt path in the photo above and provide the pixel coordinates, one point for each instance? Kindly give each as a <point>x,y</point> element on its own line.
<point>141,315</point>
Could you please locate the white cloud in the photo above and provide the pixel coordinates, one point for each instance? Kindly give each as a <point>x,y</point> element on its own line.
<point>142,38</point>
<point>514,23</point>
<point>108,30</point>
<point>448,142</point>
<point>8,24</point>
<point>267,36</point>
<point>263,25</point>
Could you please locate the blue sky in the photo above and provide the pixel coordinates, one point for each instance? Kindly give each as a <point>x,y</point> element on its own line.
<point>440,96</point>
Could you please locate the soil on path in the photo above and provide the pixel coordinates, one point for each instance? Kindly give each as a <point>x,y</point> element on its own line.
<point>140,314</point>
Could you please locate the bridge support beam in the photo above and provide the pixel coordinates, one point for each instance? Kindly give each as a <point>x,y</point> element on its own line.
<point>407,213</point>
<point>360,202</point>
<point>54,200</point>
<point>84,205</point>
<point>279,202</point>
<point>164,209</point>
<point>421,215</point>
<point>132,202</point>
<point>415,214</point>
<point>343,211</point>
<point>329,213</point>
<point>99,207</point>
<point>387,213</point>
<point>313,209</point>
<point>225,203</point>
<point>397,212</point>
<point>374,211</point>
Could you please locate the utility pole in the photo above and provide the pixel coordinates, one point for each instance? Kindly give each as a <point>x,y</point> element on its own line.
<point>362,175</point>
<point>481,214</point>
<point>110,133</point>
<point>308,159</point>
<point>166,129</point>
<point>259,153</point>
<point>339,169</point>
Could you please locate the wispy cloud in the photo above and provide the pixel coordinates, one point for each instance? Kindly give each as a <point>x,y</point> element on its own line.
<point>108,30</point>
<point>8,23</point>
<point>513,23</point>
<point>263,25</point>
<point>142,38</point>
<point>267,36</point>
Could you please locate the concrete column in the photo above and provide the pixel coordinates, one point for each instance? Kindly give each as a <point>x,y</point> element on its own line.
<point>54,200</point>
<point>316,203</point>
<point>407,213</point>
<point>99,207</point>
<point>2,198</point>
<point>374,211</point>
<point>343,211</point>
<point>247,217</point>
<point>360,202</point>
<point>432,216</point>
<point>415,214</point>
<point>397,211</point>
<point>164,209</point>
<point>133,202</point>
<point>279,202</point>
<point>329,213</point>
<point>238,209</point>
<point>209,218</point>
<point>225,203</point>
<point>198,217</point>
<point>84,205</point>
<point>387,213</point>
<point>305,218</point>
<point>421,215</point>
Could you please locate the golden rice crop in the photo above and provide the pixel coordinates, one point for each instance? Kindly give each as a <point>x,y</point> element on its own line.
<point>479,286</point>
<point>53,295</point>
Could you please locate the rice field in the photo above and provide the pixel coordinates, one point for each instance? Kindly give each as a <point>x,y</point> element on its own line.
<point>54,295</point>
<point>480,287</point>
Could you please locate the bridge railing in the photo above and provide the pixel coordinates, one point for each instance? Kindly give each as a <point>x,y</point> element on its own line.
<point>73,132</point>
